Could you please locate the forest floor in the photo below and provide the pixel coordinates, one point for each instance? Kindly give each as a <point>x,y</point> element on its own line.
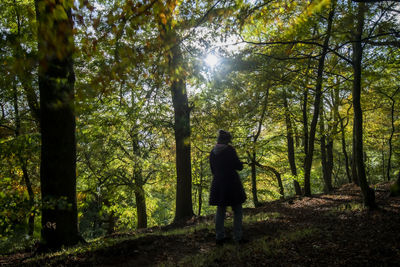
<point>324,230</point>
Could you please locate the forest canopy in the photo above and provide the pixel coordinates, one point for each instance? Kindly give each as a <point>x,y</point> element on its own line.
<point>109,109</point>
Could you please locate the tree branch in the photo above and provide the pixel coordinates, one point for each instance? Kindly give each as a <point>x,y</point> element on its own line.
<point>385,43</point>
<point>7,127</point>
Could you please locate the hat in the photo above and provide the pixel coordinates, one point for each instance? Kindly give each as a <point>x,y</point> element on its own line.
<point>224,137</point>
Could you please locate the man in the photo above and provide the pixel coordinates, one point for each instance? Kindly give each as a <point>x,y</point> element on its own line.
<point>226,187</point>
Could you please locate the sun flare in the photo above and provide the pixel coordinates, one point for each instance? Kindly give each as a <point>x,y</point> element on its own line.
<point>211,60</point>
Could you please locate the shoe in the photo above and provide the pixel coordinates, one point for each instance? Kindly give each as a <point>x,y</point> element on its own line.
<point>242,241</point>
<point>220,242</point>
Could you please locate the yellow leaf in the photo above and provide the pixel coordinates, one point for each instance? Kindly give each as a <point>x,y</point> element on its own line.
<point>163,18</point>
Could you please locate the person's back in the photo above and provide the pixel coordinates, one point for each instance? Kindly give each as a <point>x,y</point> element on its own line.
<point>223,160</point>
<point>226,188</point>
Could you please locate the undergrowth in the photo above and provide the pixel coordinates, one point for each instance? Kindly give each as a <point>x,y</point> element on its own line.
<point>348,207</point>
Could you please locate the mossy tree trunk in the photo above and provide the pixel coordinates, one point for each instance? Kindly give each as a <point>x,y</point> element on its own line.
<point>184,206</point>
<point>58,151</point>
<point>176,78</point>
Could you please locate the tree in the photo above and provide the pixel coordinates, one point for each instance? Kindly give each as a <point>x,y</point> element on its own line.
<point>317,102</point>
<point>368,193</point>
<point>252,155</point>
<point>326,150</point>
<point>176,75</point>
<point>344,150</point>
<point>392,99</point>
<point>290,144</point>
<point>58,151</point>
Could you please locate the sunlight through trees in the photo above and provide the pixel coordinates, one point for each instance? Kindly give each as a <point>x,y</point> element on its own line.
<point>109,109</point>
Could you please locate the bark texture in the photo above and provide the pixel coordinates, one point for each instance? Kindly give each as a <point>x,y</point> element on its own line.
<point>317,102</point>
<point>58,151</point>
<point>368,193</point>
<point>184,206</point>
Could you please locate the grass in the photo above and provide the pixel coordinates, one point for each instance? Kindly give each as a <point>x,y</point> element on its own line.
<point>209,225</point>
<point>262,247</point>
<point>93,245</point>
<point>259,217</point>
<point>104,243</point>
<point>348,207</point>
<point>16,242</point>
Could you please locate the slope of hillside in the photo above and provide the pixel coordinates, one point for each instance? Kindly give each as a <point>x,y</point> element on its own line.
<point>325,230</point>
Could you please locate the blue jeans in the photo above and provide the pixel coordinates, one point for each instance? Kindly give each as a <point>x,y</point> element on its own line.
<point>237,222</point>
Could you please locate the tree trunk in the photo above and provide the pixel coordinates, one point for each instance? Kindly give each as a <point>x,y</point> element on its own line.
<point>332,132</point>
<point>139,181</point>
<point>354,174</point>
<point>23,163</point>
<point>395,188</point>
<point>31,212</point>
<point>305,123</point>
<point>383,158</point>
<point>176,75</point>
<point>290,145</point>
<point>200,187</point>
<point>390,139</point>
<point>254,179</point>
<point>252,157</point>
<point>329,163</point>
<point>111,223</point>
<point>326,153</point>
<point>140,206</point>
<point>323,146</point>
<point>58,151</point>
<point>368,193</point>
<point>346,157</point>
<point>278,178</point>
<point>318,94</point>
<point>184,207</point>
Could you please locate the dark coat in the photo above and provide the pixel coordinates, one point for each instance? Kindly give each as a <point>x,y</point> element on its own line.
<point>226,187</point>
